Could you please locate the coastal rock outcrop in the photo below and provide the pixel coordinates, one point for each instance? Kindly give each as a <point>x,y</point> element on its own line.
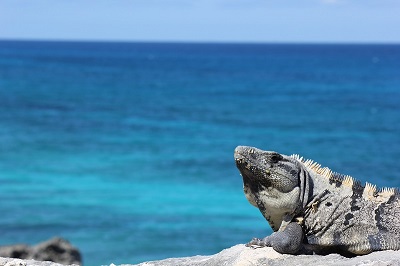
<point>240,255</point>
<point>56,250</point>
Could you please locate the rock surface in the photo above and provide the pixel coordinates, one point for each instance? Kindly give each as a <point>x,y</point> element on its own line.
<point>20,262</point>
<point>56,250</point>
<point>241,255</point>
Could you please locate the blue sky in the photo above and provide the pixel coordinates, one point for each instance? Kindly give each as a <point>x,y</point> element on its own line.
<point>364,21</point>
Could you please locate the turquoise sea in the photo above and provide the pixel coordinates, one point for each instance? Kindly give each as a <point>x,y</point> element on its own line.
<point>126,149</point>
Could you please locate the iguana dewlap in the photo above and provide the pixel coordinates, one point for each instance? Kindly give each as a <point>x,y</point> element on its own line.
<point>311,207</point>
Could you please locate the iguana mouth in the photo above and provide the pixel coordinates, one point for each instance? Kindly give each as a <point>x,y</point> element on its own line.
<point>243,165</point>
<point>243,160</point>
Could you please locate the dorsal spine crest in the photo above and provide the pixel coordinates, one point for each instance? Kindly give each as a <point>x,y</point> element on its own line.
<point>369,191</point>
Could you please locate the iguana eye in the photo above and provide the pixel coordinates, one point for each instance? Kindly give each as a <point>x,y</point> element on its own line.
<point>276,158</point>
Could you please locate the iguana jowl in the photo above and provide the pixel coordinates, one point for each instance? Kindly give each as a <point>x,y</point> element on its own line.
<point>309,206</point>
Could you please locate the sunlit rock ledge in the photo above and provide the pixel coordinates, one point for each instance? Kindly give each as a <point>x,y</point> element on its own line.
<point>21,262</point>
<point>240,255</point>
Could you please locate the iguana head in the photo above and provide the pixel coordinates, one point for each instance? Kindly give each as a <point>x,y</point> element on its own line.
<point>270,182</point>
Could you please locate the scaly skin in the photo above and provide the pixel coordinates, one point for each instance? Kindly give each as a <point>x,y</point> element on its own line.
<point>311,208</point>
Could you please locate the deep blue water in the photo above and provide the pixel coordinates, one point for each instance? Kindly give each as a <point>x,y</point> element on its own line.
<point>126,149</point>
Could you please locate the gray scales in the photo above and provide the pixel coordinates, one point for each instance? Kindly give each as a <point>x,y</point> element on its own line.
<point>314,210</point>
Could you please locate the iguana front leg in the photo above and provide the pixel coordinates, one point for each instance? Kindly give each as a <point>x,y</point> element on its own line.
<point>288,241</point>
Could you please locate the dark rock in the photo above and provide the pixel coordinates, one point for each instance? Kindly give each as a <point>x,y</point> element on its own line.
<point>16,251</point>
<point>56,250</point>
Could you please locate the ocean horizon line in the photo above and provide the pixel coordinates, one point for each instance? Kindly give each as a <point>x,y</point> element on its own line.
<point>196,42</point>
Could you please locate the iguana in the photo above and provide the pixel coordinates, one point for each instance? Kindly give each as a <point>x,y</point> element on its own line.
<point>310,208</point>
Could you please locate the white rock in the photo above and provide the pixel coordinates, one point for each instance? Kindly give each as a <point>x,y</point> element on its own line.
<point>15,262</point>
<point>241,255</point>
